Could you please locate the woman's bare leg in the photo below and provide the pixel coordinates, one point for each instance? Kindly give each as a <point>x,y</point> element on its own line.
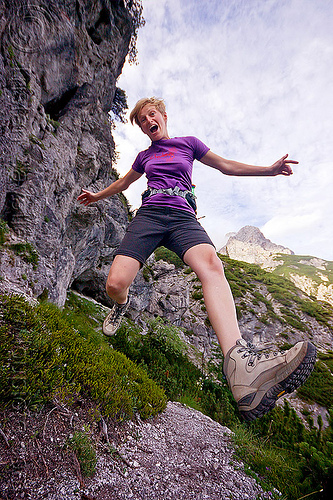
<point>217,294</point>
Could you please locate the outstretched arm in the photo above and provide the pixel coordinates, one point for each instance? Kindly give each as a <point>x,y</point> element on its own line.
<point>87,197</point>
<point>230,167</point>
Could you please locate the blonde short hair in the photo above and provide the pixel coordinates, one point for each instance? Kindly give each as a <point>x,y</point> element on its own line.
<point>158,103</point>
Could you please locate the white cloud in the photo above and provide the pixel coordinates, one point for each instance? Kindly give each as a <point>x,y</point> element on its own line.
<point>253,81</point>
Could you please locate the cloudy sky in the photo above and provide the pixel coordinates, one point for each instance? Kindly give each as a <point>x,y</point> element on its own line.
<point>253,80</point>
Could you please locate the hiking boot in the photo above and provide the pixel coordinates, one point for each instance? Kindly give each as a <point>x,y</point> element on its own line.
<point>257,378</point>
<point>113,319</point>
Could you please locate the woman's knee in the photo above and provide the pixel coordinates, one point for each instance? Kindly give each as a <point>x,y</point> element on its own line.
<point>206,263</point>
<point>115,286</point>
<point>209,260</point>
<point>214,265</point>
<point>121,275</point>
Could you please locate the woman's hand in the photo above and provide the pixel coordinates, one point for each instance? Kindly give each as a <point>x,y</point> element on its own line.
<point>282,167</point>
<point>87,197</point>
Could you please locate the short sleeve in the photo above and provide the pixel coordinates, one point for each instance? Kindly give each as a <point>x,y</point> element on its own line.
<point>138,164</point>
<point>199,148</point>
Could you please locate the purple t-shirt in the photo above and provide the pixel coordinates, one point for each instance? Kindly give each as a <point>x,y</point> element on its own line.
<point>168,163</point>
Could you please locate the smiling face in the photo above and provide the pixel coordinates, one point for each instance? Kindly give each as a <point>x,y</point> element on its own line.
<point>153,123</point>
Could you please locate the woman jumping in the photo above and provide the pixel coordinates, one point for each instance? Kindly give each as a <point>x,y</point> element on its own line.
<point>167,217</point>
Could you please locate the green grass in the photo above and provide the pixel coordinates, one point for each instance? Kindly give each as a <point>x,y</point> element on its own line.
<point>245,278</point>
<point>272,465</point>
<point>86,316</point>
<point>34,140</point>
<point>298,461</point>
<point>327,358</point>
<point>162,253</point>
<point>147,273</point>
<point>27,252</point>
<point>46,352</point>
<point>83,447</point>
<point>292,265</point>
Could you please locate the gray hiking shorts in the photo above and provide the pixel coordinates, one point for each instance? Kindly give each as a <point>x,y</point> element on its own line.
<point>153,226</point>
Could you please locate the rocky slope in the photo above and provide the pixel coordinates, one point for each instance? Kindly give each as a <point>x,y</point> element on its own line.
<point>59,63</point>
<point>312,275</point>
<point>179,455</point>
<point>269,308</point>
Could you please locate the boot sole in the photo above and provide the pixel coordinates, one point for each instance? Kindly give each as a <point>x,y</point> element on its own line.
<point>286,386</point>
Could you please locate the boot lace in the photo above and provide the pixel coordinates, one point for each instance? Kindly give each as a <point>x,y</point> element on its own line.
<point>118,311</point>
<point>255,353</point>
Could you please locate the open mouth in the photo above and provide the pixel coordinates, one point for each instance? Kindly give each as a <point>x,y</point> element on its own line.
<point>153,128</point>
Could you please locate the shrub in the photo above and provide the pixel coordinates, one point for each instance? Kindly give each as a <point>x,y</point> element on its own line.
<point>319,386</point>
<point>4,230</point>
<point>293,321</point>
<point>119,104</point>
<point>197,295</point>
<point>306,466</point>
<point>319,312</point>
<point>126,205</point>
<point>84,450</point>
<point>162,354</point>
<point>41,355</point>
<point>135,8</point>
<point>147,273</point>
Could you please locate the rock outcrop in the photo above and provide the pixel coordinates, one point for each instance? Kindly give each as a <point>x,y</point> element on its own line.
<point>59,63</point>
<point>176,295</point>
<point>250,245</point>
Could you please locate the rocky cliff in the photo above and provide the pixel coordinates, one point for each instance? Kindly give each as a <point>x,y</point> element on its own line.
<point>59,63</point>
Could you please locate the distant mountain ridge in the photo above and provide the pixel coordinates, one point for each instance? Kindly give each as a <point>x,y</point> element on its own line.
<point>311,274</point>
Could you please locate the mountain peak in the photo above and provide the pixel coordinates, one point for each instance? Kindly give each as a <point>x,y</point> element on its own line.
<point>250,245</point>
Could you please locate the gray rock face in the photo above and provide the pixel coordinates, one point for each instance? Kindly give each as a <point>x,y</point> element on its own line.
<point>59,63</point>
